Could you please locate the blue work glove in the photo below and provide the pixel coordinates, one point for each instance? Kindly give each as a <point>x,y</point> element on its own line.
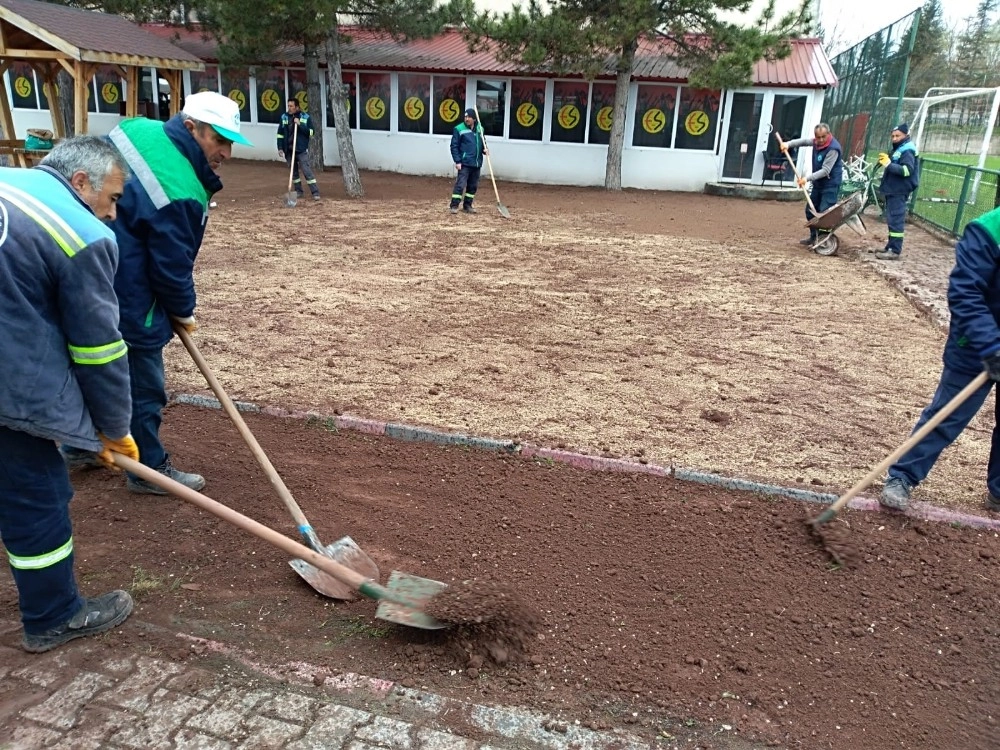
<point>992,365</point>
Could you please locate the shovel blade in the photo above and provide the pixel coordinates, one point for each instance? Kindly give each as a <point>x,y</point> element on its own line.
<point>411,595</point>
<point>503,210</point>
<point>346,552</point>
<point>291,199</point>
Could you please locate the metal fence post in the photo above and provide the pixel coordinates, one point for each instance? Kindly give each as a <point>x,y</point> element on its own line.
<point>961,202</point>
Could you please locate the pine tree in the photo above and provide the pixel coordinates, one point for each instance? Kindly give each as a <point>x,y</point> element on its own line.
<point>973,52</point>
<point>590,35</point>
<point>929,65</point>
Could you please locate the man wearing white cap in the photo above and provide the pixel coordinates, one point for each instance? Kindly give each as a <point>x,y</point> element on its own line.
<point>161,221</point>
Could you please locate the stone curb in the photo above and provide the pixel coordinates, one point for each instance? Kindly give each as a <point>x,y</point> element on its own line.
<point>923,511</point>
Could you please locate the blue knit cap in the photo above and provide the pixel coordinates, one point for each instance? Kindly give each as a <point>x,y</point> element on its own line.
<point>903,128</point>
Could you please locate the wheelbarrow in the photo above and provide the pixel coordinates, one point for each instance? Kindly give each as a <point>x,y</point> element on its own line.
<point>847,212</point>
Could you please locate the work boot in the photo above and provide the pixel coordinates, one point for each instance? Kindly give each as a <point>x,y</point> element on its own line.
<point>470,209</point>
<point>77,458</point>
<point>992,502</point>
<point>142,487</point>
<point>95,616</point>
<point>808,242</point>
<point>316,197</point>
<point>895,494</point>
<point>887,255</point>
<point>453,209</point>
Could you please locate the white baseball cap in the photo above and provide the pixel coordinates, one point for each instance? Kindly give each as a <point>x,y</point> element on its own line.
<point>219,111</point>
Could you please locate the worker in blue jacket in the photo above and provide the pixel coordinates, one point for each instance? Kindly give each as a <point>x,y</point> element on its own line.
<point>296,129</point>
<point>898,181</point>
<point>973,345</point>
<point>63,375</point>
<point>826,176</point>
<point>160,224</point>
<point>467,150</point>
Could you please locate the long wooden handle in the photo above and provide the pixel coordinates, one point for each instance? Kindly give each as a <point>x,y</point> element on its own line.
<point>795,171</point>
<point>291,163</point>
<point>489,163</point>
<point>368,587</point>
<point>230,408</point>
<point>915,438</point>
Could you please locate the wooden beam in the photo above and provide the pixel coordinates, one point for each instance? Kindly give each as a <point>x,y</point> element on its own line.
<point>81,78</point>
<point>132,92</point>
<point>49,74</point>
<point>37,54</point>
<point>67,66</point>
<point>3,38</point>
<point>145,61</point>
<point>174,79</point>
<point>7,120</point>
<point>47,37</point>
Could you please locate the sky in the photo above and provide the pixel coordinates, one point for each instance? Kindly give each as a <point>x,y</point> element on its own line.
<point>846,21</point>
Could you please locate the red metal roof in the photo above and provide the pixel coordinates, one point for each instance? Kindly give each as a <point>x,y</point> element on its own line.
<point>806,67</point>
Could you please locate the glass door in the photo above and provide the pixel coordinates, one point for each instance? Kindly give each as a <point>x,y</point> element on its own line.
<point>740,153</point>
<point>788,113</point>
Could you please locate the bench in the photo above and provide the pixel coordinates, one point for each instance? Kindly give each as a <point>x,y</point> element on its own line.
<point>19,155</point>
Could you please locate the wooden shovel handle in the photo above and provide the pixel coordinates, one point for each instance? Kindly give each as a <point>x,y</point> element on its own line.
<point>795,171</point>
<point>230,408</point>
<point>368,587</point>
<point>291,163</point>
<point>489,164</point>
<point>915,438</point>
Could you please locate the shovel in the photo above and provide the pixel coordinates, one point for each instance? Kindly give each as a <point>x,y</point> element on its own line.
<point>500,206</point>
<point>795,171</point>
<point>291,197</point>
<point>402,601</point>
<point>344,551</point>
<point>945,411</point>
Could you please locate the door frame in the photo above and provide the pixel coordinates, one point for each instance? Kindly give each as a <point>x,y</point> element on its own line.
<point>764,130</point>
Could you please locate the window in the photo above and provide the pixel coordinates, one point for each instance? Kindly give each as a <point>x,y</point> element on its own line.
<point>491,101</point>
<point>376,98</point>
<point>414,104</point>
<point>697,118</point>
<point>654,116</point>
<point>297,90</point>
<point>569,111</point>
<point>527,107</point>
<point>236,85</point>
<point>449,103</point>
<point>205,80</point>
<point>270,95</point>
<point>350,101</point>
<point>23,90</point>
<point>110,91</point>
<point>602,101</point>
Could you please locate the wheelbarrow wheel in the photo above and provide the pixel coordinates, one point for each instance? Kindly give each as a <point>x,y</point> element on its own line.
<point>828,245</point>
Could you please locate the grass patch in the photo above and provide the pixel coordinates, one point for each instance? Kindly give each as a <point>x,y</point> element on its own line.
<point>143,582</point>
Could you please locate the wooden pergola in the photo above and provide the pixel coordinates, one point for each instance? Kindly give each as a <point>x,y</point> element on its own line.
<point>51,38</point>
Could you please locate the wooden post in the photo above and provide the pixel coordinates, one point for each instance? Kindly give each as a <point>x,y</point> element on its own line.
<point>6,118</point>
<point>174,79</point>
<point>49,74</point>
<point>132,91</point>
<point>82,73</point>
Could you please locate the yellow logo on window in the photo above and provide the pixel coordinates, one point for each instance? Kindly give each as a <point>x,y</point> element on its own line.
<point>303,99</point>
<point>239,97</point>
<point>568,117</point>
<point>449,110</point>
<point>22,86</point>
<point>604,118</point>
<point>109,93</point>
<point>270,100</point>
<point>375,108</point>
<point>413,108</point>
<point>654,121</point>
<point>697,122</point>
<point>527,115</point>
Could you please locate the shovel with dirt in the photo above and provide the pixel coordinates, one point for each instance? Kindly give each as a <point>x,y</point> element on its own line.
<point>833,542</point>
<point>500,206</point>
<point>403,601</point>
<point>344,551</point>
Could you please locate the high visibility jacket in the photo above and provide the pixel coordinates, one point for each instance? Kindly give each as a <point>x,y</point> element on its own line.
<point>974,296</point>
<point>466,146</point>
<point>161,222</point>
<point>63,369</point>
<point>286,133</point>
<point>900,176</point>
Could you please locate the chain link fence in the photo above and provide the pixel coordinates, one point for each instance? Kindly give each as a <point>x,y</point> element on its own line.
<point>951,194</point>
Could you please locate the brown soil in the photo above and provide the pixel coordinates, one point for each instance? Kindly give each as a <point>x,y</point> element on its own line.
<point>609,324</point>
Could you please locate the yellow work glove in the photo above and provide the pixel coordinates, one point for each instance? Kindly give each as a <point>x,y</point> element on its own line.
<point>126,446</point>
<point>188,324</point>
<point>883,159</point>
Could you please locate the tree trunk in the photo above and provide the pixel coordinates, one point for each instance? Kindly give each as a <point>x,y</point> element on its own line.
<point>65,87</point>
<point>314,94</point>
<point>616,144</point>
<point>335,87</point>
